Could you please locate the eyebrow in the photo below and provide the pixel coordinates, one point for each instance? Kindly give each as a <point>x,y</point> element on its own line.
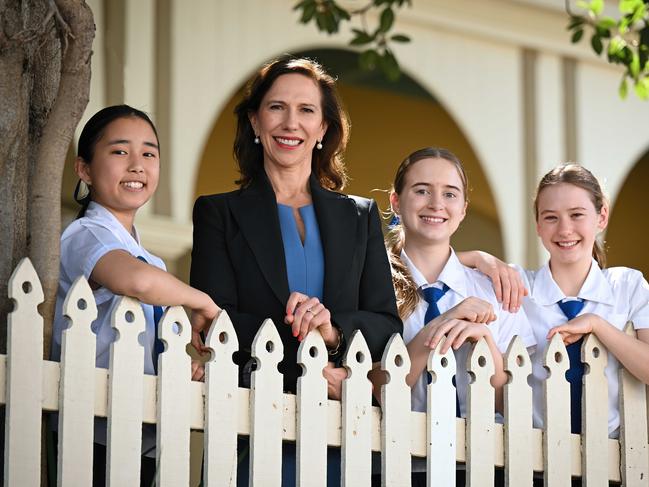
<point>569,209</point>
<point>125,141</point>
<point>282,102</point>
<point>447,186</point>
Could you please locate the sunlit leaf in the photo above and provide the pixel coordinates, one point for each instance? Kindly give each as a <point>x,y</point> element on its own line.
<point>623,89</point>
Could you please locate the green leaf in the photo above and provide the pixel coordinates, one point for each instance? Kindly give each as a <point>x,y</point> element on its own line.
<point>606,23</point>
<point>629,6</point>
<point>576,37</point>
<point>389,65</point>
<point>400,38</point>
<point>634,66</point>
<point>623,89</point>
<point>575,21</point>
<point>361,38</point>
<point>342,13</point>
<point>642,88</point>
<point>368,59</point>
<point>308,13</point>
<point>615,46</point>
<point>387,19</point>
<point>596,43</point>
<point>596,6</point>
<point>583,4</point>
<point>301,4</point>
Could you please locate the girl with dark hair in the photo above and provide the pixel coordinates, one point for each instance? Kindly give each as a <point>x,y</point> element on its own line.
<point>118,161</point>
<point>286,245</point>
<point>437,296</point>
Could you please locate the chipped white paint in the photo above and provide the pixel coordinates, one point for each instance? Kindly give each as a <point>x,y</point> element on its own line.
<point>518,416</point>
<point>556,440</point>
<point>174,369</point>
<point>125,396</point>
<point>22,455</point>
<point>77,388</point>
<point>633,427</point>
<point>395,424</point>
<point>356,450</point>
<point>266,404</point>
<point>221,405</point>
<point>312,412</point>
<point>480,440</point>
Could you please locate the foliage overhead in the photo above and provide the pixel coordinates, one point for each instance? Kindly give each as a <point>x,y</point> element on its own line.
<point>374,40</point>
<point>625,40</point>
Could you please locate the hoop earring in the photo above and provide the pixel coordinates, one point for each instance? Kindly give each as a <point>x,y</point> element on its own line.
<point>319,145</point>
<point>256,139</point>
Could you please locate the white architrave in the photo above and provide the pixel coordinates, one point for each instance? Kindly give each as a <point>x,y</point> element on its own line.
<point>222,407</point>
<point>77,388</point>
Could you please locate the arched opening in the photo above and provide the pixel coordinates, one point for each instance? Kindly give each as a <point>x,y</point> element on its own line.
<point>627,215</point>
<point>389,121</point>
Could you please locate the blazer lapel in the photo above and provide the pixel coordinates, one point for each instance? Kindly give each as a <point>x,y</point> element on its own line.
<point>337,220</point>
<point>255,210</point>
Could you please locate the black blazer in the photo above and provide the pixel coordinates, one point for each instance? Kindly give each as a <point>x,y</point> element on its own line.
<point>238,259</point>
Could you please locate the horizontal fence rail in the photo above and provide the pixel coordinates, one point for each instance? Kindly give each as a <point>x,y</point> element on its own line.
<point>127,398</point>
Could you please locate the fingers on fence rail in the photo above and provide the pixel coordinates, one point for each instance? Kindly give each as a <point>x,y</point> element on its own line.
<point>173,416</point>
<point>518,415</point>
<point>557,448</point>
<point>357,414</point>
<point>441,435</point>
<point>395,423</point>
<point>24,378</point>
<point>77,387</point>
<point>221,404</point>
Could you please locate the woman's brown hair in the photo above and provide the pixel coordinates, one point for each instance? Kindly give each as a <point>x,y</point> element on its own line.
<point>327,163</point>
<point>577,175</point>
<point>404,286</point>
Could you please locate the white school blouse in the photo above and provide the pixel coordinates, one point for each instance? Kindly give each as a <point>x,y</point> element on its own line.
<point>618,295</point>
<point>83,243</point>
<point>463,282</point>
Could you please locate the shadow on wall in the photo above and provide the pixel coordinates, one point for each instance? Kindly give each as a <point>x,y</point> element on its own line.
<point>627,228</point>
<point>389,121</point>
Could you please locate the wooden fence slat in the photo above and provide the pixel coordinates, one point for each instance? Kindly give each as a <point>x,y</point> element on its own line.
<point>221,405</point>
<point>77,388</point>
<point>557,440</point>
<point>594,424</point>
<point>633,427</point>
<point>440,421</point>
<point>518,416</point>
<point>395,423</point>
<point>480,442</point>
<point>174,377</point>
<point>311,412</point>
<point>356,450</point>
<point>266,405</point>
<point>125,395</point>
<point>22,455</point>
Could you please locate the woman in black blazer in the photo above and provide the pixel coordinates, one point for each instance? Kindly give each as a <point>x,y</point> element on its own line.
<point>291,134</point>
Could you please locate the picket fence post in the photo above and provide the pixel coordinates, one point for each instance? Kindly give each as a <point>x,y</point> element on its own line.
<point>77,388</point>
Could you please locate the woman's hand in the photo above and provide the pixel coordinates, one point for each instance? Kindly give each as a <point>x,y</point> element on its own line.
<point>201,319</point>
<point>472,309</point>
<point>198,370</point>
<point>456,332</point>
<point>306,313</point>
<point>575,329</point>
<point>507,282</point>
<point>335,377</point>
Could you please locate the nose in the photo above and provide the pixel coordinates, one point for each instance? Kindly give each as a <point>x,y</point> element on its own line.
<point>291,119</point>
<point>565,226</point>
<point>135,163</point>
<point>435,201</point>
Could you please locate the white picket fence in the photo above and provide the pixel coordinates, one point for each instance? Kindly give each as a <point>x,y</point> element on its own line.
<point>80,392</point>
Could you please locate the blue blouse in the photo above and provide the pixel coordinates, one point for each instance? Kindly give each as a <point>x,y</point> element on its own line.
<point>304,262</point>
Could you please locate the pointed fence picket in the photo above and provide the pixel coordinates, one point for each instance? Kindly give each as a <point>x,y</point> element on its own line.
<point>128,398</point>
<point>77,388</point>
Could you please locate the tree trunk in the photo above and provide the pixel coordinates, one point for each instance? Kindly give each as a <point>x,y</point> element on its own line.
<point>44,85</point>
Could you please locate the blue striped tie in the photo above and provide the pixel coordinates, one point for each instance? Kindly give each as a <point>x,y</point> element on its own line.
<point>576,371</point>
<point>431,296</point>
<point>158,346</point>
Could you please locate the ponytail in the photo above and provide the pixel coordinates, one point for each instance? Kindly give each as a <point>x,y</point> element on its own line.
<point>404,286</point>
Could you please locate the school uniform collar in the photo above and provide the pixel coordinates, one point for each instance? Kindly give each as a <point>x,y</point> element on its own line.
<point>100,213</point>
<point>545,291</point>
<point>452,274</point>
